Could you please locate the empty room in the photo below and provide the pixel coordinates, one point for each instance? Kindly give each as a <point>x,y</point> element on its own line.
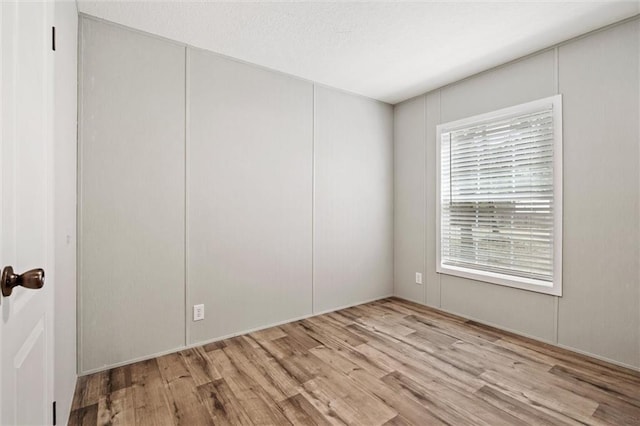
<point>319,213</point>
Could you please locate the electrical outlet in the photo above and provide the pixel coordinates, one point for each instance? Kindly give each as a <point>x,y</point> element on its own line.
<point>418,278</point>
<point>198,312</point>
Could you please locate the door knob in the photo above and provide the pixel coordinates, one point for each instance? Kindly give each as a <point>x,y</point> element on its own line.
<point>33,279</point>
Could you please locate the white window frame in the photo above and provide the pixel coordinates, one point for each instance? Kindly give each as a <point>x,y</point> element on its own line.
<point>540,286</point>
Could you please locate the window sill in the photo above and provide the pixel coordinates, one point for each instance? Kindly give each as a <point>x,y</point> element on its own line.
<point>536,286</point>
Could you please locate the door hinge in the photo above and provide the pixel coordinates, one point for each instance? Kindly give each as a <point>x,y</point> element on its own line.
<point>53,38</point>
<point>54,408</point>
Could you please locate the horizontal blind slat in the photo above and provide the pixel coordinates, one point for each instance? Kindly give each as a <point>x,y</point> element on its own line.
<point>497,196</point>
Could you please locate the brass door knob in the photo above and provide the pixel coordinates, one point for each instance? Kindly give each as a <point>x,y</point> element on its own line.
<point>33,279</point>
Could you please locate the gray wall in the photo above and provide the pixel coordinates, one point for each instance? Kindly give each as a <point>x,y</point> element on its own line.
<point>410,197</point>
<point>353,215</point>
<point>599,313</point>
<point>131,195</point>
<point>214,168</point>
<point>249,186</point>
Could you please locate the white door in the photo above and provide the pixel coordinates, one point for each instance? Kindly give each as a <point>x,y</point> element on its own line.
<point>26,216</point>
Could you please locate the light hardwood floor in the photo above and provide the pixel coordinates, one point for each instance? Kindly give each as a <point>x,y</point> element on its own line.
<point>386,362</point>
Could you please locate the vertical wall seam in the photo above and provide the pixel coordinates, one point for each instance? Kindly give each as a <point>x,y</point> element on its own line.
<point>425,215</point>
<point>437,171</point>
<point>556,312</point>
<point>79,281</point>
<point>186,197</point>
<point>638,29</point>
<point>556,69</point>
<point>393,200</point>
<point>556,299</point>
<point>313,194</point>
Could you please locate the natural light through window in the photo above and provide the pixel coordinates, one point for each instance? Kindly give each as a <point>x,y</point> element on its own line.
<point>500,196</point>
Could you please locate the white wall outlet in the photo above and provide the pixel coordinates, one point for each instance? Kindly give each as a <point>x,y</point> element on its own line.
<point>418,278</point>
<point>198,312</point>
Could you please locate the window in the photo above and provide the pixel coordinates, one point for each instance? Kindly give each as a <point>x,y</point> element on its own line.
<point>500,197</point>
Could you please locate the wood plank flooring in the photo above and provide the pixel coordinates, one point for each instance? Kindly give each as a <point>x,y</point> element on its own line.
<point>389,362</point>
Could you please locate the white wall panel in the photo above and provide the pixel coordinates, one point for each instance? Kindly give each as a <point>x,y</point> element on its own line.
<point>432,278</point>
<point>600,82</point>
<point>249,191</point>
<point>131,195</point>
<point>353,216</point>
<point>525,312</point>
<point>409,199</point>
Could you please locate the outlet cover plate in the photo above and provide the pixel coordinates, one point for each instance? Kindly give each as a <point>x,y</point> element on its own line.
<point>198,312</point>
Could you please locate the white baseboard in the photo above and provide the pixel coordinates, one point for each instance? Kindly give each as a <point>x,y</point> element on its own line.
<point>529,336</point>
<point>228,336</point>
<point>339,308</point>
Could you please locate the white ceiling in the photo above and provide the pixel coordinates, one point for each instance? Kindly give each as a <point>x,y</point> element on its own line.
<point>385,50</point>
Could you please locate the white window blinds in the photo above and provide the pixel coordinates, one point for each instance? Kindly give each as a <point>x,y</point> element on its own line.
<point>498,205</point>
